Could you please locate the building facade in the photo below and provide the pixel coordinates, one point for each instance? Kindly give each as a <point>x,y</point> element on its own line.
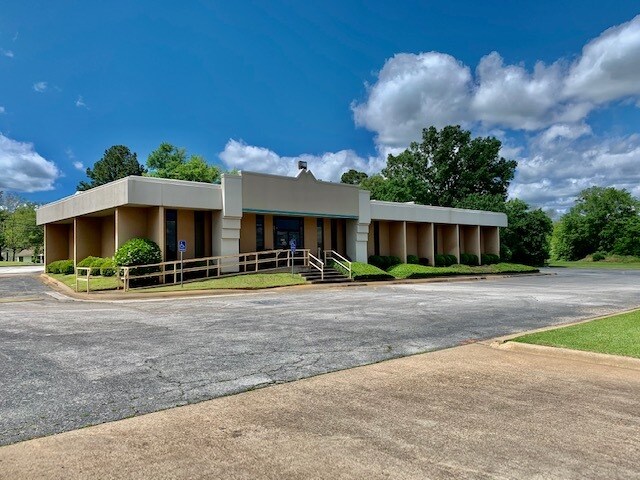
<point>251,212</point>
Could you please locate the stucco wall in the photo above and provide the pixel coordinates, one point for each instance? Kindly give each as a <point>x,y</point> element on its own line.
<point>304,195</point>
<point>412,239</point>
<point>88,238</point>
<point>108,233</point>
<point>431,214</point>
<point>248,233</point>
<point>156,227</point>
<point>131,222</point>
<point>311,234</point>
<point>490,240</point>
<point>57,238</point>
<point>425,242</point>
<point>398,240</point>
<point>186,232</point>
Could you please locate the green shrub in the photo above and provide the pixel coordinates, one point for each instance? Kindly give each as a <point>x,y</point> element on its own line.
<point>489,259</point>
<point>440,260</point>
<point>64,267</point>
<point>413,259</point>
<point>423,261</point>
<point>94,262</point>
<point>598,256</point>
<point>108,268</point>
<point>376,261</point>
<point>468,259</point>
<point>384,262</point>
<point>139,251</point>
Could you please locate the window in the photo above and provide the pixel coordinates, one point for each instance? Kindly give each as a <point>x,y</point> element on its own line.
<point>259,233</point>
<point>376,238</point>
<point>171,235</point>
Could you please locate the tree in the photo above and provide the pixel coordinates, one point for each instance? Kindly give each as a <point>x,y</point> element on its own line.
<point>526,238</point>
<point>446,167</point>
<point>117,162</point>
<point>21,231</point>
<point>168,161</point>
<point>598,220</point>
<point>353,177</point>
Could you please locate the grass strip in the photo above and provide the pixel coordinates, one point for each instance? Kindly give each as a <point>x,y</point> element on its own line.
<point>617,335</point>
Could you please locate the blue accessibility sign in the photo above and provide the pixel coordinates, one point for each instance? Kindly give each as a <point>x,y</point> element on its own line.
<point>182,246</point>
<point>292,245</point>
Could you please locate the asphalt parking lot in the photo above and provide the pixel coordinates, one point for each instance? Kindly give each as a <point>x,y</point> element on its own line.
<point>68,364</point>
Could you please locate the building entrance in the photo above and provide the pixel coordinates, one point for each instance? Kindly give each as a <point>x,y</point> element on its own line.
<point>287,228</point>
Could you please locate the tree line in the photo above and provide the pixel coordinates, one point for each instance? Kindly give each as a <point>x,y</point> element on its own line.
<point>18,229</point>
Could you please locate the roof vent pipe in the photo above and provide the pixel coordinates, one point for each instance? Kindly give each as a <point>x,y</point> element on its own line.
<point>302,165</point>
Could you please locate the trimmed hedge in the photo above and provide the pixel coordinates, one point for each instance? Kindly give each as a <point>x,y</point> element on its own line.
<point>94,262</point>
<point>489,259</point>
<point>468,259</point>
<point>445,260</point>
<point>384,262</point>
<point>408,271</point>
<point>423,261</point>
<point>61,266</point>
<point>139,251</point>
<point>108,268</point>
<point>413,259</point>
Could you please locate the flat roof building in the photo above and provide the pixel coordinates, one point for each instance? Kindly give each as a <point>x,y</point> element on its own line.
<point>251,212</point>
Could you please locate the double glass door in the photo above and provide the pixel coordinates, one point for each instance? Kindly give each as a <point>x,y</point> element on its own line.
<point>286,229</point>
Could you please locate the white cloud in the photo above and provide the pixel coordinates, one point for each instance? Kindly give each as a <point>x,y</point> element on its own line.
<point>328,166</point>
<point>78,166</point>
<point>23,169</point>
<point>609,67</point>
<point>413,91</point>
<point>2,109</point>
<point>6,53</point>
<point>80,102</point>
<point>40,86</point>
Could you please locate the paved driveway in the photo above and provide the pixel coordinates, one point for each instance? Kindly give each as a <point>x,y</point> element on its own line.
<point>71,364</point>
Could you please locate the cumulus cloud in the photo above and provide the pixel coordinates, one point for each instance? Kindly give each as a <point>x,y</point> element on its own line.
<point>40,86</point>
<point>411,89</point>
<point>328,166</point>
<point>609,67</point>
<point>2,110</point>
<point>23,169</point>
<point>78,166</point>
<point>557,167</point>
<point>6,53</point>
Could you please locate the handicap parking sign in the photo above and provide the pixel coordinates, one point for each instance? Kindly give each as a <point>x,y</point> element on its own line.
<point>292,244</point>
<point>182,246</point>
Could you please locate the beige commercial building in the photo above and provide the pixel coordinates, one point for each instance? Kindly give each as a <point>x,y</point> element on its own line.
<point>251,212</point>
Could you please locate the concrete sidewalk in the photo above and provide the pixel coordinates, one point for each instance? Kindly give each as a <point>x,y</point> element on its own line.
<point>467,412</point>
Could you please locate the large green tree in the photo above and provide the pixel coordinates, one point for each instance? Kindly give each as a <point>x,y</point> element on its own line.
<point>21,231</point>
<point>117,162</point>
<point>353,177</point>
<point>446,167</point>
<point>168,161</point>
<point>602,219</point>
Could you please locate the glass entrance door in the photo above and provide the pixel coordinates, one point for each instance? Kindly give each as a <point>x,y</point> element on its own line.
<point>287,228</point>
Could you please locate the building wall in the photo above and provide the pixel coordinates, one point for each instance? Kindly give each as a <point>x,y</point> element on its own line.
<point>412,239</point>
<point>398,240</point>
<point>490,240</point>
<point>156,227</point>
<point>248,233</point>
<point>57,240</point>
<point>384,239</point>
<point>88,238</point>
<point>108,233</point>
<point>311,234</point>
<point>186,232</point>
<point>425,242</point>
<point>131,222</point>
<point>470,240</point>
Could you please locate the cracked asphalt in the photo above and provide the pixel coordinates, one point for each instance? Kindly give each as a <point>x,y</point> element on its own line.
<point>69,364</point>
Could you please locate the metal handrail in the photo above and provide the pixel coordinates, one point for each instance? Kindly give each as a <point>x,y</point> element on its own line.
<point>84,278</point>
<point>316,263</point>
<point>331,254</point>
<point>216,264</point>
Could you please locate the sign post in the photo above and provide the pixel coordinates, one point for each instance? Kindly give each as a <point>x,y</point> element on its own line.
<point>182,246</point>
<point>292,245</point>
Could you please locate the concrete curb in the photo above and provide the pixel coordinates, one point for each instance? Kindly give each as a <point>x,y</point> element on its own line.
<point>577,355</point>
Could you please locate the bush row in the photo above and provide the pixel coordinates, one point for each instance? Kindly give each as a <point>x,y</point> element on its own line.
<point>445,260</point>
<point>489,258</point>
<point>384,262</point>
<point>469,259</point>
<point>61,266</point>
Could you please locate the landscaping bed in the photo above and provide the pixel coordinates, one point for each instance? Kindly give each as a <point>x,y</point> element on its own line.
<point>411,271</point>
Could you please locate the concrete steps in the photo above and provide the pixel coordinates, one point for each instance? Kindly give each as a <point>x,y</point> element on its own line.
<point>330,276</point>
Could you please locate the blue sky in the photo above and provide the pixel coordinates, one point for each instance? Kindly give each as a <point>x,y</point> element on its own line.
<point>257,85</point>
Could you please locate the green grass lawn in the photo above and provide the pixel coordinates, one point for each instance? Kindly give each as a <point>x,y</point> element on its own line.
<point>364,271</point>
<point>250,281</point>
<point>597,265</point>
<point>95,284</point>
<point>17,264</point>
<point>407,270</point>
<point>617,335</point>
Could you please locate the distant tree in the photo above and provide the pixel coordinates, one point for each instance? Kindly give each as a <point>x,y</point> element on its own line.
<point>117,162</point>
<point>602,219</point>
<point>446,167</point>
<point>489,203</point>
<point>353,177</point>
<point>527,236</point>
<point>21,231</point>
<point>168,161</point>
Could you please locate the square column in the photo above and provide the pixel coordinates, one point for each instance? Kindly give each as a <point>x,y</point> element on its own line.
<point>426,245</point>
<point>398,240</point>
